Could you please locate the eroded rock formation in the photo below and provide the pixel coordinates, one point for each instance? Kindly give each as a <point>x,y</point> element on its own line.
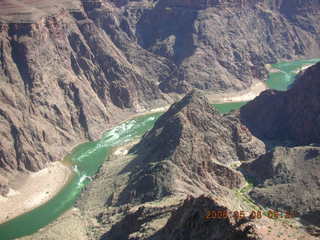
<point>155,191</point>
<point>190,150</point>
<point>223,45</point>
<point>189,222</point>
<point>287,177</point>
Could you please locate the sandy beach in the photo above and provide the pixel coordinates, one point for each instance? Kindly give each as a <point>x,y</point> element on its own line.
<point>303,68</point>
<point>274,70</point>
<point>270,68</point>
<point>34,190</point>
<point>241,96</point>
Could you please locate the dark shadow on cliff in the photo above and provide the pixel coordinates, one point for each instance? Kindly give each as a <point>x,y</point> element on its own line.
<point>168,31</point>
<point>131,223</point>
<point>18,53</point>
<point>289,118</point>
<point>312,222</point>
<point>146,169</point>
<point>124,228</point>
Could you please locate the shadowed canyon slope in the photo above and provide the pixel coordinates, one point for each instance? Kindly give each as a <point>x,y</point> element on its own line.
<point>223,45</point>
<point>65,76</point>
<point>292,115</point>
<point>288,179</point>
<point>188,222</point>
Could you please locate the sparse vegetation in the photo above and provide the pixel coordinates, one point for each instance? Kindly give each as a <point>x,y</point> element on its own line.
<point>242,194</point>
<point>247,188</point>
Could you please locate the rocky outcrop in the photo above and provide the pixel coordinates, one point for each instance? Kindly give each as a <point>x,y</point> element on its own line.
<point>288,179</point>
<point>139,223</point>
<point>4,189</point>
<point>155,191</point>
<point>292,115</point>
<point>189,150</point>
<point>189,222</point>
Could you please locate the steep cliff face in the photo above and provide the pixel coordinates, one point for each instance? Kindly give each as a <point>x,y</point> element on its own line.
<point>189,150</point>
<point>292,115</point>
<point>223,45</point>
<point>62,81</point>
<point>213,45</point>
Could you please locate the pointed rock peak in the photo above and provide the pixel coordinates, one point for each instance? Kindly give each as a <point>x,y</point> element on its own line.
<point>194,100</point>
<point>197,97</point>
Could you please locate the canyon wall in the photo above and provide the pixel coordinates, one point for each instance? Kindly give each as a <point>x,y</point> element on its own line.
<point>62,81</point>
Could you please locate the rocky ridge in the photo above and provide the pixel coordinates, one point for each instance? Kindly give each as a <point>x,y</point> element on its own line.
<point>198,146</point>
<point>189,222</point>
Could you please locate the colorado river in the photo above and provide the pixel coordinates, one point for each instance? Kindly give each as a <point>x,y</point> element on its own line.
<point>88,157</point>
<point>280,79</point>
<point>285,73</point>
<point>86,160</point>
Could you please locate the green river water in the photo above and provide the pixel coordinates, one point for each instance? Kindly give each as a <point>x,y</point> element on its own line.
<point>287,71</point>
<point>87,158</point>
<point>279,80</point>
